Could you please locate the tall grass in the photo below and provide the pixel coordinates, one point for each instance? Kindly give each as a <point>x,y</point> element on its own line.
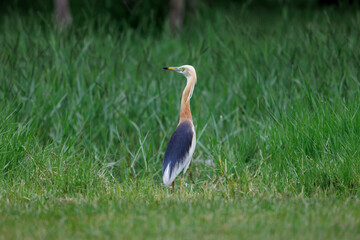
<point>275,107</point>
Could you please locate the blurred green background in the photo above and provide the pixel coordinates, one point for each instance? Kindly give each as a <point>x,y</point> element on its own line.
<point>86,112</point>
<point>278,80</point>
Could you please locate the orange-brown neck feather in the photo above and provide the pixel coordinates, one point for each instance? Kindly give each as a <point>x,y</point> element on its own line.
<point>185,112</point>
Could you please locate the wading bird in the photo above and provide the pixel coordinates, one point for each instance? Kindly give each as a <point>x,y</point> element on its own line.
<point>182,143</point>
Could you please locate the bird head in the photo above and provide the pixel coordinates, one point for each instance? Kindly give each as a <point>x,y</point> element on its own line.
<point>186,70</point>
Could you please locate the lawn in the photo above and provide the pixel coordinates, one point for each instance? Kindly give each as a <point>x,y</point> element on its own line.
<point>85,116</point>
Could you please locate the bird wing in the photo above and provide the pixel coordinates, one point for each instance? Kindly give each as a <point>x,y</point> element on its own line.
<point>179,151</point>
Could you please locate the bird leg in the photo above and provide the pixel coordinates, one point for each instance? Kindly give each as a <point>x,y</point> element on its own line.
<point>173,186</point>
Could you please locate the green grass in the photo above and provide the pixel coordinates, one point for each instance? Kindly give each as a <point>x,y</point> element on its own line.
<point>85,117</point>
<point>160,215</point>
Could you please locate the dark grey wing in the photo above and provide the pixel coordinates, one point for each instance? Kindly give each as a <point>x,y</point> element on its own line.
<point>178,146</point>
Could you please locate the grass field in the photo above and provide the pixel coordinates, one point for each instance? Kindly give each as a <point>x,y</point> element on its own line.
<point>85,117</point>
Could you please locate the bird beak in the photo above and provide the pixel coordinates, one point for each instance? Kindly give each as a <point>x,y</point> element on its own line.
<point>173,68</point>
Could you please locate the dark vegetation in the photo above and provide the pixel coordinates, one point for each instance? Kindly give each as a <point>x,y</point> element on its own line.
<point>86,114</point>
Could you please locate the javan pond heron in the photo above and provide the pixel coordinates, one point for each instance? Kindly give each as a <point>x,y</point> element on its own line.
<point>181,147</point>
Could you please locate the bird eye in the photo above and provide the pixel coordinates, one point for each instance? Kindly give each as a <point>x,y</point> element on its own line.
<point>182,69</point>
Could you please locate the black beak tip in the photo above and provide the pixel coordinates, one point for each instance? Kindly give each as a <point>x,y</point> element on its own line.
<point>165,68</point>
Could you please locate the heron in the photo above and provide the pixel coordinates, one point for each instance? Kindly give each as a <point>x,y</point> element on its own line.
<point>181,146</point>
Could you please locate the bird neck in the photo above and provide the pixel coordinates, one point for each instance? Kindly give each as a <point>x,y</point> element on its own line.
<point>185,112</point>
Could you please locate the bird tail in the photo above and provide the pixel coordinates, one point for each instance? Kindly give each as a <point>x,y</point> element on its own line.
<point>167,178</point>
